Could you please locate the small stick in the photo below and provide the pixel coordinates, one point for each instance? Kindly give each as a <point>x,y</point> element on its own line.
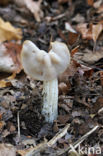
<point>18,121</point>
<point>58,135</point>
<point>44,145</point>
<point>78,142</point>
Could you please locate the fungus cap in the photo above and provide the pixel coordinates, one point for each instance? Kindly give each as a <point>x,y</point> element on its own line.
<point>44,66</point>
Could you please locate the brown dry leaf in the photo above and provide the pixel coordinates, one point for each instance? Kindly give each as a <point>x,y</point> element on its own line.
<point>4,2</point>
<point>33,6</point>
<point>14,50</point>
<point>70,38</point>
<point>90,2</point>
<point>89,57</point>
<point>63,88</point>
<point>101,77</point>
<point>8,32</point>
<point>6,82</point>
<point>98,105</point>
<point>100,9</point>
<point>91,32</point>
<point>2,124</point>
<point>10,57</point>
<point>62,1</point>
<point>71,70</point>
<point>7,150</point>
<point>63,119</point>
<point>97,4</point>
<point>74,50</point>
<point>96,30</point>
<point>85,31</point>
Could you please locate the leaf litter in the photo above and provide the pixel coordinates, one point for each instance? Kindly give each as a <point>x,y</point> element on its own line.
<point>79,24</point>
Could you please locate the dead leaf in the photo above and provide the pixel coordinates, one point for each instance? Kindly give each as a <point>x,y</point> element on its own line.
<point>63,119</point>
<point>89,56</point>
<point>98,105</point>
<point>62,1</point>
<point>74,50</point>
<point>7,150</point>
<point>10,57</point>
<point>101,77</point>
<point>8,32</point>
<point>91,31</point>
<point>97,4</point>
<point>90,2</point>
<point>69,28</point>
<point>2,124</point>
<point>100,9</point>
<point>88,73</point>
<point>4,2</point>
<point>63,88</point>
<point>14,50</point>
<point>33,6</point>
<point>96,30</point>
<point>70,71</point>
<point>85,31</point>
<point>6,82</point>
<point>70,38</point>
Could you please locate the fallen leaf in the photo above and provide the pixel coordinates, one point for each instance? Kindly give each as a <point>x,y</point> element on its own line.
<point>88,73</point>
<point>14,50</point>
<point>100,9</point>
<point>90,2</point>
<point>69,28</point>
<point>8,32</point>
<point>96,30</point>
<point>63,88</point>
<point>6,82</point>
<point>70,71</point>
<point>7,150</point>
<point>4,2</point>
<point>101,77</point>
<point>79,18</point>
<point>2,124</point>
<point>74,50</point>
<point>63,119</point>
<point>62,1</point>
<point>91,31</point>
<point>97,4</point>
<point>85,31</point>
<point>70,38</point>
<point>98,105</point>
<point>89,56</point>
<point>33,6</point>
<point>10,57</point>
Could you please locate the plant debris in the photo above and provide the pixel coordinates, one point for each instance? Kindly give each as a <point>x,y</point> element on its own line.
<point>23,130</point>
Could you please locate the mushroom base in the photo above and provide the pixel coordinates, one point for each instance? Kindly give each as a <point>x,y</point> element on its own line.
<point>50,100</point>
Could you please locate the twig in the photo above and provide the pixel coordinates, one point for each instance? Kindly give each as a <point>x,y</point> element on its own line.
<point>77,143</point>
<point>43,146</point>
<point>18,121</point>
<point>58,135</point>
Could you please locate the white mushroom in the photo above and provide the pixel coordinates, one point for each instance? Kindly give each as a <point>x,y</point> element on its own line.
<point>46,67</point>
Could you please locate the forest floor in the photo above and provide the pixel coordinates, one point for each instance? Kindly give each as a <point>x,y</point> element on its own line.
<point>79,125</point>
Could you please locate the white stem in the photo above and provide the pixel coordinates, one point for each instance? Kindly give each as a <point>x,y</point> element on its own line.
<point>50,100</point>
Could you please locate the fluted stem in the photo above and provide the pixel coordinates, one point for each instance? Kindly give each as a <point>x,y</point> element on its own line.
<point>50,100</point>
